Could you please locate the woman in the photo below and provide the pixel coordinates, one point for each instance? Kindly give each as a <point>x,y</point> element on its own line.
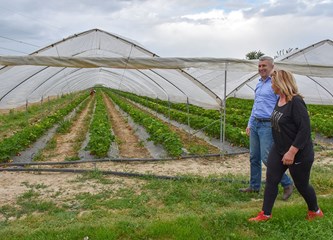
<point>292,148</point>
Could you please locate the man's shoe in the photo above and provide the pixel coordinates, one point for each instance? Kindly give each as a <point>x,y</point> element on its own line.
<point>261,217</point>
<point>287,191</point>
<point>313,215</point>
<point>248,190</point>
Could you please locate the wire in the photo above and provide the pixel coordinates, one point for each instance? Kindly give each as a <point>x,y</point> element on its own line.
<point>38,20</point>
<point>121,174</point>
<point>19,41</point>
<point>13,50</point>
<point>29,17</point>
<point>117,160</point>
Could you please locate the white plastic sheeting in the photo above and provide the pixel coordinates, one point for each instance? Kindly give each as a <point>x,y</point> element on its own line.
<point>32,83</point>
<point>316,87</point>
<point>97,57</point>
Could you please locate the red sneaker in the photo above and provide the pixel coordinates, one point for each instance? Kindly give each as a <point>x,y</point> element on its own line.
<point>312,215</point>
<point>260,218</point>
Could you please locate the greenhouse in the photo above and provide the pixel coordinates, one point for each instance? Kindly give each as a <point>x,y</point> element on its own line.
<point>96,57</point>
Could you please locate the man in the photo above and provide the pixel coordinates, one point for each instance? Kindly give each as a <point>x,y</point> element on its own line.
<point>260,131</point>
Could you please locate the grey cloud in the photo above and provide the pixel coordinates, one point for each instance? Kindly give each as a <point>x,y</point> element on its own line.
<point>39,6</point>
<point>322,9</point>
<point>232,5</point>
<point>285,7</point>
<point>153,22</point>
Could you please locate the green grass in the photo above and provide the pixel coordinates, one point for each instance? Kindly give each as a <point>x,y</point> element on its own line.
<point>197,149</point>
<point>64,126</point>
<point>192,208</point>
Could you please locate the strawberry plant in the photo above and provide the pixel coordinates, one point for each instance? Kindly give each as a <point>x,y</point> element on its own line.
<point>100,130</point>
<point>25,137</point>
<point>158,131</point>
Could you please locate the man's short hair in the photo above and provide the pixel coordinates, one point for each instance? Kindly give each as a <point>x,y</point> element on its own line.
<point>266,58</point>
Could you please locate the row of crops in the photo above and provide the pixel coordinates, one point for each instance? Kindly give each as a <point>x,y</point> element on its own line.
<point>159,132</point>
<point>33,124</point>
<point>237,114</point>
<point>100,129</point>
<point>201,119</point>
<point>19,130</point>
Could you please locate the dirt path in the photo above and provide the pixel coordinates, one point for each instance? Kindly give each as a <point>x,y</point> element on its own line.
<point>128,143</point>
<point>198,145</point>
<point>64,185</point>
<point>66,142</point>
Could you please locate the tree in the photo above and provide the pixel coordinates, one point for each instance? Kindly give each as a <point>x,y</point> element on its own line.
<point>254,55</point>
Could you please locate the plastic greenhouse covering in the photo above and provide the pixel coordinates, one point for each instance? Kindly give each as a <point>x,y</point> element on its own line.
<point>96,57</point>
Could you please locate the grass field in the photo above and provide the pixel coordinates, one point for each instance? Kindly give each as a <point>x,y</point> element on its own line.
<point>192,208</point>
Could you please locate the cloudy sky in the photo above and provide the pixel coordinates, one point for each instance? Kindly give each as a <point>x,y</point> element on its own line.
<point>170,28</point>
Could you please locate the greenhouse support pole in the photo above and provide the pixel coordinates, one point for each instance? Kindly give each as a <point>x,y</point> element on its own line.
<point>169,109</point>
<point>223,105</point>
<point>123,75</point>
<point>188,118</point>
<point>221,131</point>
<point>48,103</point>
<point>155,107</point>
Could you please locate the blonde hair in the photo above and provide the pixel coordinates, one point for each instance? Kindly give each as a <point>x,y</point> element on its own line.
<point>286,83</point>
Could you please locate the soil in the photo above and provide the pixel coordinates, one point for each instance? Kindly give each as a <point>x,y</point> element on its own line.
<point>128,143</point>
<point>14,184</point>
<point>66,142</point>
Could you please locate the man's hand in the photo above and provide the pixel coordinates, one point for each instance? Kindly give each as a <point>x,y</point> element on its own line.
<point>247,131</point>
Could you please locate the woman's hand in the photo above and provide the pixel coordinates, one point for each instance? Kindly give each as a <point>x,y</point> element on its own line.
<point>288,157</point>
